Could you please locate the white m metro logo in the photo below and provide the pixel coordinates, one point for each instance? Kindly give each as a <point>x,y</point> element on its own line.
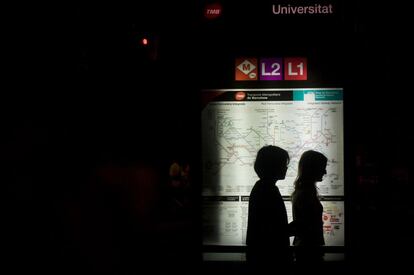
<point>246,67</point>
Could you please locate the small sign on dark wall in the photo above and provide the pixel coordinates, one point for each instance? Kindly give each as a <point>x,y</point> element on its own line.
<point>246,68</point>
<point>212,11</point>
<point>271,69</point>
<point>296,68</point>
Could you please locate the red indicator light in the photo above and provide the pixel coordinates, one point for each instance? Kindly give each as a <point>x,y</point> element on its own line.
<point>144,41</point>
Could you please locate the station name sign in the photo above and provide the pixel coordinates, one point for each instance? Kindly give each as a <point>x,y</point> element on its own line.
<point>312,9</point>
<point>315,9</point>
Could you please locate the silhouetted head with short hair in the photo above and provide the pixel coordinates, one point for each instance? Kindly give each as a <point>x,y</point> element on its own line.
<point>271,163</point>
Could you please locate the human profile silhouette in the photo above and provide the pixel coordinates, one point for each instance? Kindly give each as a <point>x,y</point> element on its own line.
<point>267,240</point>
<point>307,209</point>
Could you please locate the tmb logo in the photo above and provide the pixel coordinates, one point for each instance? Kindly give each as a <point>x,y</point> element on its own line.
<point>240,96</point>
<point>212,11</point>
<point>246,68</point>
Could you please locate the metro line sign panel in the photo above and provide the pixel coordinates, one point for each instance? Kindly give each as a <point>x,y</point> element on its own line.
<point>271,69</point>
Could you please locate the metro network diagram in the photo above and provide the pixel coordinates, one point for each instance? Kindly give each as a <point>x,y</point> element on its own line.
<point>233,132</point>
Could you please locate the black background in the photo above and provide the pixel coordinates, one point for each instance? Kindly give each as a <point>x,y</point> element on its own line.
<point>82,97</point>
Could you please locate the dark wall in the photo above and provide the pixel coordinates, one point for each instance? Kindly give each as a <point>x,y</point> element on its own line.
<point>92,121</point>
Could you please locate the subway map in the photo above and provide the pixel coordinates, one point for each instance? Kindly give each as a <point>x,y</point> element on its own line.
<point>299,120</point>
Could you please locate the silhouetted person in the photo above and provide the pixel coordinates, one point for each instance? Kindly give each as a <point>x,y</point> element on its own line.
<point>268,245</point>
<point>307,209</point>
